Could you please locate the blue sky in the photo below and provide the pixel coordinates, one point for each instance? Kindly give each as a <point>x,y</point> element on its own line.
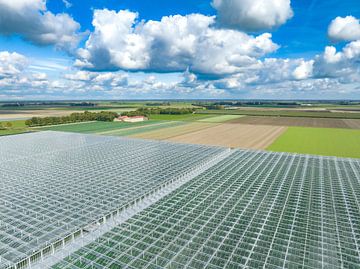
<point>175,57</point>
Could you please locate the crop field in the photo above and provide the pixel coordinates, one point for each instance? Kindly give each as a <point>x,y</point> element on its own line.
<point>251,210</point>
<point>283,113</point>
<point>185,117</point>
<point>222,118</point>
<point>233,135</point>
<point>167,133</point>
<point>304,122</point>
<point>17,127</point>
<point>11,115</point>
<point>353,124</point>
<point>160,126</point>
<point>95,127</point>
<point>320,141</point>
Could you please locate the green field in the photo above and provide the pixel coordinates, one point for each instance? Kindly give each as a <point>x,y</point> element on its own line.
<point>133,130</point>
<point>319,141</point>
<point>95,127</point>
<point>18,127</point>
<point>184,117</point>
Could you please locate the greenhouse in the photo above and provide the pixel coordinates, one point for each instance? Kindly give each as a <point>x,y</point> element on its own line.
<point>56,186</point>
<point>253,209</point>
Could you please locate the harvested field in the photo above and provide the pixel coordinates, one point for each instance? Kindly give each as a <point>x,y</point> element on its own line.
<point>301,122</point>
<point>167,133</point>
<point>183,117</point>
<point>352,124</point>
<point>222,118</point>
<point>234,135</point>
<point>7,115</point>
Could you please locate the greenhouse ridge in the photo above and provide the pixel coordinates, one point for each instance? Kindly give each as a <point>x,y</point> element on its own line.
<point>57,186</point>
<point>252,210</point>
<point>242,208</point>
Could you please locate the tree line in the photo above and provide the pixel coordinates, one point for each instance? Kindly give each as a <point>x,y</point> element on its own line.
<point>144,111</point>
<point>5,125</point>
<point>72,118</point>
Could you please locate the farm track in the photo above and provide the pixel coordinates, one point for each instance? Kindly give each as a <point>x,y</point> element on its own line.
<point>234,135</point>
<point>301,122</point>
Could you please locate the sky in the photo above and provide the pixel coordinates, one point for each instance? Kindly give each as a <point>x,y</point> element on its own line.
<point>189,49</point>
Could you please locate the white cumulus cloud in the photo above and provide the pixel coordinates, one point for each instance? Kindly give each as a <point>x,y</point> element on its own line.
<point>172,44</point>
<point>11,64</point>
<point>31,20</point>
<point>343,64</point>
<point>304,70</point>
<point>253,15</point>
<point>344,29</point>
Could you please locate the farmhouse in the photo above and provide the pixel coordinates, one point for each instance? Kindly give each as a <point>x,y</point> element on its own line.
<point>131,119</point>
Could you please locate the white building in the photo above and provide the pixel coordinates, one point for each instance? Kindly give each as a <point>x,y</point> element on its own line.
<point>131,119</point>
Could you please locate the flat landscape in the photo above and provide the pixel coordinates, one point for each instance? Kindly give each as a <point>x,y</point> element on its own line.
<point>170,132</point>
<point>297,121</point>
<point>9,115</point>
<point>234,135</point>
<point>278,112</point>
<point>93,127</point>
<point>319,141</point>
<point>256,127</point>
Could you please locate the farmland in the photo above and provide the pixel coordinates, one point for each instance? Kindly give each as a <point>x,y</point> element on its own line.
<point>296,121</point>
<point>233,135</point>
<point>92,127</point>
<point>320,141</point>
<point>254,126</point>
<point>222,118</point>
<point>17,127</point>
<point>160,126</point>
<point>109,128</point>
<point>170,132</point>
<point>284,113</point>
<point>185,117</point>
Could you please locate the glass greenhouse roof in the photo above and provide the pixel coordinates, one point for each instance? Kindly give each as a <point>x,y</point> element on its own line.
<point>53,185</point>
<point>251,210</point>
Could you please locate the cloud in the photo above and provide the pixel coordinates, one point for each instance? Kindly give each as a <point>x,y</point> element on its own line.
<point>304,70</point>
<point>120,42</point>
<point>344,29</point>
<point>11,64</point>
<point>67,3</point>
<point>342,64</point>
<point>31,20</point>
<point>106,79</point>
<point>252,15</point>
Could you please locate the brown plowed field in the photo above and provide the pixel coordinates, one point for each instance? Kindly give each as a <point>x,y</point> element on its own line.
<point>353,124</point>
<point>302,122</point>
<point>233,135</point>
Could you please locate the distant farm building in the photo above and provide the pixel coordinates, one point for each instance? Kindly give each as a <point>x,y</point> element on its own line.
<point>131,119</point>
